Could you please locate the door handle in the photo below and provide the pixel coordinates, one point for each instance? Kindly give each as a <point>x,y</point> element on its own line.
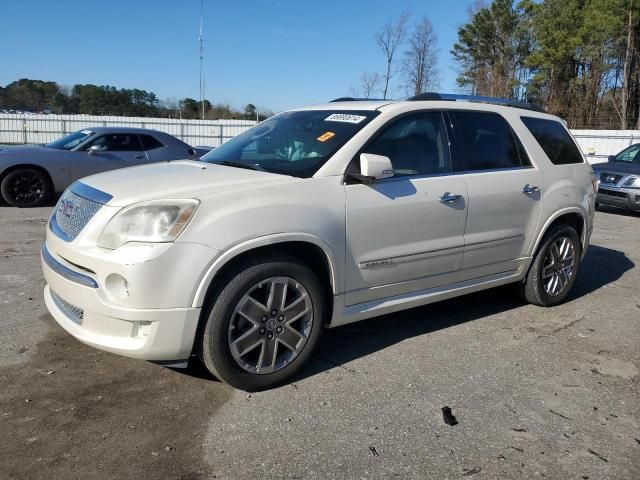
<point>450,198</point>
<point>529,189</point>
<point>139,156</point>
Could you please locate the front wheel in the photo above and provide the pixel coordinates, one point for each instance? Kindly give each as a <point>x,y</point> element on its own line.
<point>26,187</point>
<point>263,324</point>
<point>554,268</point>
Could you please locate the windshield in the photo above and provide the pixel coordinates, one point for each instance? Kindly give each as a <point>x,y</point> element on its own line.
<point>70,141</point>
<point>292,143</point>
<point>630,155</point>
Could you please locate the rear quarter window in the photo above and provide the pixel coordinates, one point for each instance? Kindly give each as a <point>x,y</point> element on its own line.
<point>554,140</point>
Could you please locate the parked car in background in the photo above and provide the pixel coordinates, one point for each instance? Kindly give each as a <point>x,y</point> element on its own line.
<point>30,175</point>
<point>318,217</point>
<point>620,179</point>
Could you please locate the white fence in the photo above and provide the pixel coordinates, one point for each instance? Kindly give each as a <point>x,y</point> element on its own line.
<point>597,145</point>
<point>39,129</point>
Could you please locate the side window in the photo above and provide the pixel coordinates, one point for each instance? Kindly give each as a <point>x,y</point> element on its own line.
<point>150,143</point>
<point>554,140</point>
<point>117,142</point>
<point>485,141</point>
<point>416,144</point>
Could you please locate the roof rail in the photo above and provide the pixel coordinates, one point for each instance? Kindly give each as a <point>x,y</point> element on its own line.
<point>353,99</point>
<point>475,98</point>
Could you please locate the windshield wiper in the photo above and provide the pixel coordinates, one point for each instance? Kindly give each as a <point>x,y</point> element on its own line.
<point>248,166</point>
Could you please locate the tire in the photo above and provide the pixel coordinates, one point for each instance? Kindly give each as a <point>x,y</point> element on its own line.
<point>26,188</point>
<point>549,281</point>
<point>222,340</point>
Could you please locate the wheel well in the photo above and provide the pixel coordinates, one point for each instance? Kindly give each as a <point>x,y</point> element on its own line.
<point>573,219</point>
<point>12,168</point>
<point>310,254</point>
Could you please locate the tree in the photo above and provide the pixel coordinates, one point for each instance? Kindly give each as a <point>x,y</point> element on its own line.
<point>421,61</point>
<point>389,39</point>
<point>369,84</point>
<point>491,50</point>
<point>250,111</point>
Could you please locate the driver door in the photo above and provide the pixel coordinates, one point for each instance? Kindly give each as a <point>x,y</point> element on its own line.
<point>406,233</point>
<point>112,151</point>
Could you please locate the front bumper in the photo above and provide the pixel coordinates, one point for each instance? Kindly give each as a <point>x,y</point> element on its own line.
<point>81,303</point>
<point>628,198</point>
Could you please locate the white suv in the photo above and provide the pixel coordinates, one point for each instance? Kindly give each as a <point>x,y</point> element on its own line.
<point>315,218</point>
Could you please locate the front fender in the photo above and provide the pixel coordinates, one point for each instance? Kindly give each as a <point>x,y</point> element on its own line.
<point>262,241</point>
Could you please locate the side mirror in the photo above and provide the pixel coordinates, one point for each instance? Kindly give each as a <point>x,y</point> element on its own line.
<point>373,167</point>
<point>376,166</point>
<point>611,158</point>
<point>94,149</point>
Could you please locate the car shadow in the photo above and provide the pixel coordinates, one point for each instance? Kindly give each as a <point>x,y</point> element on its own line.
<point>341,345</point>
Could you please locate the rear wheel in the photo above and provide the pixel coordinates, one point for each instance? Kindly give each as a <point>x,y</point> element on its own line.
<point>26,187</point>
<point>554,268</point>
<point>263,324</point>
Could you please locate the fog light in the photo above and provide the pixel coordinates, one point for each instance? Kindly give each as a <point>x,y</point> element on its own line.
<point>141,329</point>
<point>117,286</point>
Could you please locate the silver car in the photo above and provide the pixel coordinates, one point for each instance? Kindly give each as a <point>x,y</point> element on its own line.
<point>30,175</point>
<point>620,179</point>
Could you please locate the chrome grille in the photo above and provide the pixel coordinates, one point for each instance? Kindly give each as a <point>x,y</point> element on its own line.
<point>75,314</point>
<point>73,212</point>
<point>610,178</point>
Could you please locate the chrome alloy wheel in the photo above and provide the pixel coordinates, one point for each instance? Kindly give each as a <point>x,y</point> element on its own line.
<point>558,266</point>
<point>270,325</point>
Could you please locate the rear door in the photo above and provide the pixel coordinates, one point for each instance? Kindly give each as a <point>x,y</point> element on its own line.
<point>504,192</point>
<point>406,233</point>
<point>115,150</point>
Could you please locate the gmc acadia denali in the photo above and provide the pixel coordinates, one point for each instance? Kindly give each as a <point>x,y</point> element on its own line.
<point>315,218</point>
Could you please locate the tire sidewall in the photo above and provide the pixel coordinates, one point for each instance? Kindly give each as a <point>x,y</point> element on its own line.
<point>562,231</point>
<point>215,351</point>
<point>8,180</point>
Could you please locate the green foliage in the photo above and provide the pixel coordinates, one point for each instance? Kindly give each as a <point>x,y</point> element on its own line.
<point>41,96</point>
<point>569,55</point>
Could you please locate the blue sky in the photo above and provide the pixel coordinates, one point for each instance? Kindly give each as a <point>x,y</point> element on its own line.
<point>276,54</point>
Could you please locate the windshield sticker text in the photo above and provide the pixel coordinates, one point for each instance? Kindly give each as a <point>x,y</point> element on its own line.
<point>344,117</point>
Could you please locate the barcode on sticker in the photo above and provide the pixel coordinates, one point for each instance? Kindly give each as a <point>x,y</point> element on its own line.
<point>344,117</point>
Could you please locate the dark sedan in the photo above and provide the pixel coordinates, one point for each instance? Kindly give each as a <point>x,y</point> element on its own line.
<point>30,175</point>
<point>620,179</point>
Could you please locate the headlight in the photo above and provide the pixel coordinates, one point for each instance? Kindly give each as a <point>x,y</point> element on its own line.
<point>632,182</point>
<point>155,221</point>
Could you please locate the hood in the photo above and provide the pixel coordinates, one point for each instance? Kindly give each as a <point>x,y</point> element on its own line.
<point>177,179</point>
<point>12,149</point>
<point>619,168</point>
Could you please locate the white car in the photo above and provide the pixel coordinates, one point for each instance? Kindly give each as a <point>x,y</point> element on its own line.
<point>315,218</point>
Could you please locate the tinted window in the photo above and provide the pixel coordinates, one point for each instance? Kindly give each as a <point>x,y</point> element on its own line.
<point>485,141</point>
<point>149,143</point>
<point>117,142</point>
<point>554,140</point>
<point>416,144</point>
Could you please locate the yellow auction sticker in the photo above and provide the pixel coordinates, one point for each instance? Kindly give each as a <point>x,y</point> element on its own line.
<point>325,136</point>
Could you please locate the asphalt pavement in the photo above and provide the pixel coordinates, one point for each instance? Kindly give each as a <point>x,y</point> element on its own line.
<point>536,393</point>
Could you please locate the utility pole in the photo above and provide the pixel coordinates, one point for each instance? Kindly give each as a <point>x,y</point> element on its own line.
<point>201,40</point>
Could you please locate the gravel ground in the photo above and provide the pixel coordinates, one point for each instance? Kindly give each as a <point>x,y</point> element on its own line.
<point>537,393</point>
